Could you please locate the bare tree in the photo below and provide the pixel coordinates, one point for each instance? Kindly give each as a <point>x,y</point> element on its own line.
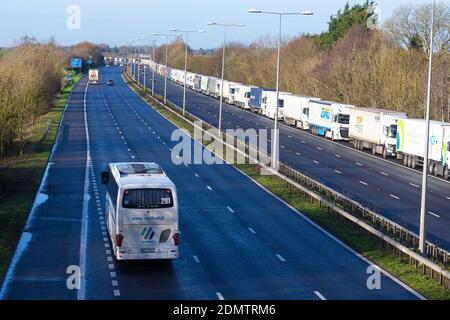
<point>410,27</point>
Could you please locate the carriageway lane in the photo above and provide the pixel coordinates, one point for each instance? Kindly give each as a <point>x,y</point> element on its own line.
<point>50,241</point>
<point>248,244</point>
<point>388,189</point>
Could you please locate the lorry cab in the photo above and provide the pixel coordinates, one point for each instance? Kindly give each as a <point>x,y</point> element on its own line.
<point>141,211</point>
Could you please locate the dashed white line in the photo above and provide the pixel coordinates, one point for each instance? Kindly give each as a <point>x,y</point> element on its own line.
<point>196,259</point>
<point>304,142</point>
<point>209,188</point>
<point>220,296</point>
<point>318,148</point>
<point>394,196</point>
<point>337,156</point>
<point>448,198</point>
<point>114,283</point>
<point>337,171</point>
<point>196,175</point>
<point>434,214</point>
<point>384,173</point>
<point>113,274</point>
<point>252,231</point>
<point>298,153</point>
<point>231,210</point>
<point>321,297</point>
<point>116,293</point>
<point>316,162</point>
<point>364,183</point>
<point>280,257</point>
<point>358,164</point>
<point>414,185</point>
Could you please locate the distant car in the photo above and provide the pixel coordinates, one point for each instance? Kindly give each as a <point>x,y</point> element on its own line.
<point>110,82</point>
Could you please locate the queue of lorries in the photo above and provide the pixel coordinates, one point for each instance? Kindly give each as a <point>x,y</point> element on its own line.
<point>385,132</point>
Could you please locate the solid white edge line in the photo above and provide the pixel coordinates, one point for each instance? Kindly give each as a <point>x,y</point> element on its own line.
<point>81,294</point>
<point>345,246</point>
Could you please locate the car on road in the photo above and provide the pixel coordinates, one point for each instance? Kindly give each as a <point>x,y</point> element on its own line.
<point>141,211</point>
<point>110,82</point>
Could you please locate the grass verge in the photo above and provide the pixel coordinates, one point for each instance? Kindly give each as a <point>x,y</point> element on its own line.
<point>20,177</point>
<point>347,232</point>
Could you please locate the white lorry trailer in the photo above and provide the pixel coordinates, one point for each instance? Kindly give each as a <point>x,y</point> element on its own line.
<point>296,110</point>
<point>375,129</point>
<point>242,96</point>
<point>93,76</point>
<point>411,145</point>
<point>329,119</point>
<point>269,104</point>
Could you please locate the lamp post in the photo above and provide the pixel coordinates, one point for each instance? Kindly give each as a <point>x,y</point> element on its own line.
<point>276,142</point>
<point>225,26</point>
<point>166,36</point>
<point>423,203</point>
<point>186,32</point>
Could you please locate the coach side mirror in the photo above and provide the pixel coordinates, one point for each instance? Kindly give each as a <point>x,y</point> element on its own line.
<point>105,177</point>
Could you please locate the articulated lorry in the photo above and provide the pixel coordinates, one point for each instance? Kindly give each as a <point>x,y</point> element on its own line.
<point>93,76</point>
<point>375,129</point>
<point>269,104</point>
<point>329,119</point>
<point>296,110</point>
<point>411,145</point>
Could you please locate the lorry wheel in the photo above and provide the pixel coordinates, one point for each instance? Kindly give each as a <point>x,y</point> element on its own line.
<point>435,170</point>
<point>446,172</point>
<point>413,162</point>
<point>431,168</point>
<point>385,154</point>
<point>405,160</point>
<point>410,161</point>
<point>374,149</point>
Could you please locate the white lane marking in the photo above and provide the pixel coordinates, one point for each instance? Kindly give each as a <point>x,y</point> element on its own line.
<point>384,173</point>
<point>434,214</point>
<point>394,196</point>
<point>318,148</point>
<point>414,185</point>
<point>316,162</point>
<point>280,257</point>
<point>81,294</point>
<point>220,296</point>
<point>196,259</point>
<point>209,188</point>
<point>283,147</point>
<point>337,156</point>
<point>358,164</point>
<point>113,274</point>
<point>252,231</point>
<point>114,283</point>
<point>317,293</point>
<point>196,175</point>
<point>448,198</point>
<point>111,266</point>
<point>304,142</point>
<point>364,183</point>
<point>298,153</point>
<point>337,171</point>
<point>116,293</point>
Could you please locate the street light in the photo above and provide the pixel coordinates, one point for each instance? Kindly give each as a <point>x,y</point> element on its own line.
<point>275,145</point>
<point>225,26</point>
<point>166,36</point>
<point>423,203</point>
<point>186,32</point>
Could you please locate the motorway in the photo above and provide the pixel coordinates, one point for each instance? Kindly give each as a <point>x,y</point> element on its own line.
<point>237,240</point>
<point>389,189</point>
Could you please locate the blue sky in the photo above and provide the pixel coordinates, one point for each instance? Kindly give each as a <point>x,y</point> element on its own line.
<point>114,22</point>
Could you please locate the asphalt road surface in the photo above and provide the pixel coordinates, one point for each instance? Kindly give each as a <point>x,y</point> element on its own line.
<point>237,240</point>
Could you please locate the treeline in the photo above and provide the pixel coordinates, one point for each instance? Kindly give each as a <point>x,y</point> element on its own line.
<point>30,76</point>
<point>350,62</point>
